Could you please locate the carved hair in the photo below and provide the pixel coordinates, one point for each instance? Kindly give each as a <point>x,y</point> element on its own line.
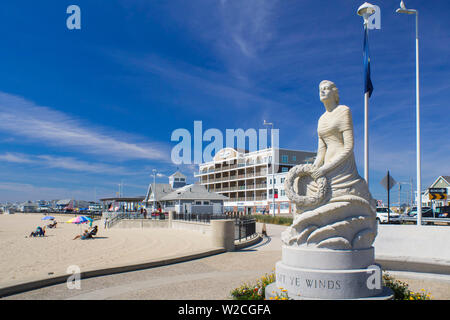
<point>333,88</point>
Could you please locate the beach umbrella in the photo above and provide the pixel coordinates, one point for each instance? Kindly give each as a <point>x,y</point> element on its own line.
<point>79,220</point>
<point>48,218</point>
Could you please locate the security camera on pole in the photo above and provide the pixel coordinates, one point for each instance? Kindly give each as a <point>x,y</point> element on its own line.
<point>371,14</point>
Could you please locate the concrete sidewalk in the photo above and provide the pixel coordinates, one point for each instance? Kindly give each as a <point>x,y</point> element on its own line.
<point>215,276</point>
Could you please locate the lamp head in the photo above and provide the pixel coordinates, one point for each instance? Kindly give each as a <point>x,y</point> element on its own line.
<point>366,10</point>
<point>407,11</point>
<point>403,9</point>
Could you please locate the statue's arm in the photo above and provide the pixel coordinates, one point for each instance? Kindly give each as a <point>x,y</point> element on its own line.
<point>343,155</point>
<point>321,150</point>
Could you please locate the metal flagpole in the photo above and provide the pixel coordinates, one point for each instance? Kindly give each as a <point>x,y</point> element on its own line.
<point>366,10</point>
<point>366,137</point>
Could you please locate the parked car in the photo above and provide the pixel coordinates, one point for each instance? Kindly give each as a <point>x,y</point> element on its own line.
<point>382,216</point>
<point>442,212</point>
<point>427,212</point>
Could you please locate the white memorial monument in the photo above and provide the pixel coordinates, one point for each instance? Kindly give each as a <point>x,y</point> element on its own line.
<point>327,252</point>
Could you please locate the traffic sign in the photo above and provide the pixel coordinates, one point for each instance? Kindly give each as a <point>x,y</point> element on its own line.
<point>438,196</point>
<point>437,193</point>
<point>388,182</point>
<point>437,190</point>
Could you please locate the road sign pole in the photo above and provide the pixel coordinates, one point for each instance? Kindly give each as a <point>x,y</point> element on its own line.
<point>388,198</point>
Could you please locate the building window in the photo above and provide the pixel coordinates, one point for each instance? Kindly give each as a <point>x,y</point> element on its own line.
<point>282,180</point>
<point>294,158</point>
<point>282,193</point>
<point>206,203</point>
<point>198,203</point>
<point>284,158</point>
<point>284,169</point>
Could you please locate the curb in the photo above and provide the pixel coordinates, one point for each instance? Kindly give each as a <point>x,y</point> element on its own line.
<point>251,242</point>
<point>411,264</point>
<point>37,284</point>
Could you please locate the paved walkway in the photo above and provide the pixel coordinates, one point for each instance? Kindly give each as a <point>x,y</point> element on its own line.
<point>214,277</point>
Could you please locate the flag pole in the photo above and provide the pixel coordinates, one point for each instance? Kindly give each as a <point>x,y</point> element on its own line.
<point>366,117</point>
<point>366,137</point>
<point>365,11</point>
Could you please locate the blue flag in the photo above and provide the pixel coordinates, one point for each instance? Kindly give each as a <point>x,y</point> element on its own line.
<point>368,87</point>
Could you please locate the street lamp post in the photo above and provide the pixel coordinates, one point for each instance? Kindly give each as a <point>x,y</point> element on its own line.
<point>273,165</point>
<point>404,10</point>
<point>154,190</point>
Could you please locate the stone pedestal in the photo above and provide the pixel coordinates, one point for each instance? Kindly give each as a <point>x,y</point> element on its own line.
<point>312,273</point>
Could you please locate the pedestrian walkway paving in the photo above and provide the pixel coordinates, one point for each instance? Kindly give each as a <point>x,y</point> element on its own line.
<point>215,276</point>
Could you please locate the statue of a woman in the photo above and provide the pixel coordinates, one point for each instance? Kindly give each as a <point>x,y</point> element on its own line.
<point>338,209</point>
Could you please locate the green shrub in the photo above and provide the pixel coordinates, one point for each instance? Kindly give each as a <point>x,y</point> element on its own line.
<point>253,291</point>
<point>285,221</point>
<point>401,289</point>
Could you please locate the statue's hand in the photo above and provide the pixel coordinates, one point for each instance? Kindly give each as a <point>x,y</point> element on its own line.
<point>316,174</point>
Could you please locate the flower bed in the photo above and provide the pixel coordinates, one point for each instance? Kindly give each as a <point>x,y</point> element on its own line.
<point>257,291</point>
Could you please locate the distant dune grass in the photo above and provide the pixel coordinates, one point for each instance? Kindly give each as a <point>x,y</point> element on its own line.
<point>284,221</point>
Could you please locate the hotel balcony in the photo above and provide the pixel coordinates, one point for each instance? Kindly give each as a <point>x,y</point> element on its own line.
<point>225,168</point>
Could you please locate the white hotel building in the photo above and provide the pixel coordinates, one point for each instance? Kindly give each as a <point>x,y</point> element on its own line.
<point>246,178</point>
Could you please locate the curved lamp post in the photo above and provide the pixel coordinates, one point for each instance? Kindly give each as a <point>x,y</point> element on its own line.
<point>404,10</point>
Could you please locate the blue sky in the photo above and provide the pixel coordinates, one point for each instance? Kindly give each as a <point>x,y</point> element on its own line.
<point>83,110</point>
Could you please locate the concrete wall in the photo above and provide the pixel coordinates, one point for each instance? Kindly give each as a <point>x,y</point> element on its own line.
<point>204,228</point>
<point>221,232</point>
<point>141,223</point>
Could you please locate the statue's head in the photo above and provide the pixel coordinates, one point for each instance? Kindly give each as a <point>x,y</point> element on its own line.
<point>328,90</point>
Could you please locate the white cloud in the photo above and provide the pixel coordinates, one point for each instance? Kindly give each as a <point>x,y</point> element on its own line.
<point>67,163</point>
<point>15,158</point>
<point>23,118</point>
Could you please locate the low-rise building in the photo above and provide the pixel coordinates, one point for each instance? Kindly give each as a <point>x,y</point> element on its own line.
<point>442,182</point>
<point>28,206</point>
<point>194,199</point>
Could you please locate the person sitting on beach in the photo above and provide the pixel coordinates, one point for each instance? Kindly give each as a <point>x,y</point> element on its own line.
<point>93,231</point>
<point>38,233</point>
<point>82,236</point>
<point>53,224</point>
<point>88,234</point>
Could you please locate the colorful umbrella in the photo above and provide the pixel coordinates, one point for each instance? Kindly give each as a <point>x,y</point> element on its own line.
<point>48,218</point>
<point>79,220</point>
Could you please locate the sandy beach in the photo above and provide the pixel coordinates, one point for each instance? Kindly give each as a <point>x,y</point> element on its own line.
<point>25,259</point>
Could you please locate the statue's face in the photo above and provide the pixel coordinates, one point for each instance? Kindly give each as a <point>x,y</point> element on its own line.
<point>326,92</point>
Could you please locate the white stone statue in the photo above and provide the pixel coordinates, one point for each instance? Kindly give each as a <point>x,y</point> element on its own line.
<point>335,207</point>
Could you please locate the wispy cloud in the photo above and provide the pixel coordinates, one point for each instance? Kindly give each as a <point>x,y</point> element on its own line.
<point>20,117</point>
<point>13,191</point>
<point>67,163</point>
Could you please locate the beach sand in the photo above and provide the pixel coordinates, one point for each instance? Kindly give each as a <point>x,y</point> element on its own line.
<point>26,259</point>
